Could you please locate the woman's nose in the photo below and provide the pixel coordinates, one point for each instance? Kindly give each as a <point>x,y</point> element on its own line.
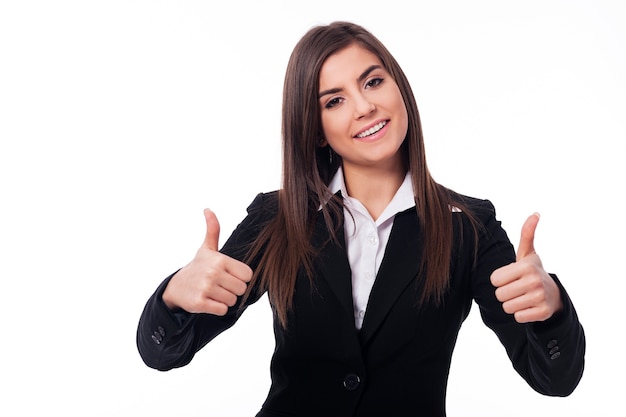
<point>363,106</point>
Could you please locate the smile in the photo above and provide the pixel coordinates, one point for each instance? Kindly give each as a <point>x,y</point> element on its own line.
<point>372,130</point>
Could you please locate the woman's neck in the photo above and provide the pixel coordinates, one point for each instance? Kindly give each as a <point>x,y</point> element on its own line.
<point>373,187</point>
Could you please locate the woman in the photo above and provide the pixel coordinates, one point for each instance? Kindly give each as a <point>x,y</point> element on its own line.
<point>369,264</point>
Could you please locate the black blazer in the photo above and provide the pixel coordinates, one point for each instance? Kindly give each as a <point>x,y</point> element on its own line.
<point>398,363</point>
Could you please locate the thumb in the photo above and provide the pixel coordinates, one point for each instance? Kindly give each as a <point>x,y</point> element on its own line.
<point>212,230</point>
<point>526,243</point>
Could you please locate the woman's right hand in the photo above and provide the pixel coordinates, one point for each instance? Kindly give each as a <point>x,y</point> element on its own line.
<point>212,281</point>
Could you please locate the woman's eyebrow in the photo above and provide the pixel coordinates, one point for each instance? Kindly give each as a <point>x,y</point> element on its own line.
<point>367,72</point>
<point>361,77</point>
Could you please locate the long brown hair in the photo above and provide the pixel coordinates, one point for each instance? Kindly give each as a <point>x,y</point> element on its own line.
<point>284,246</point>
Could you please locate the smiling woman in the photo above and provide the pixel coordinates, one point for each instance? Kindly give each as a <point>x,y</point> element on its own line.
<point>364,120</point>
<point>370,265</point>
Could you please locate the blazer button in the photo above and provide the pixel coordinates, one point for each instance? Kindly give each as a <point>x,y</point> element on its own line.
<point>554,349</point>
<point>158,336</point>
<point>351,382</point>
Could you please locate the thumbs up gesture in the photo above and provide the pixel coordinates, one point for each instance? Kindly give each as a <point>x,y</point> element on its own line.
<point>524,288</point>
<point>211,282</point>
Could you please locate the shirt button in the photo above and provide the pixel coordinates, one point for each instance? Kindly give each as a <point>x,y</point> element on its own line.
<point>351,382</point>
<point>373,240</point>
<point>361,314</point>
<point>369,275</point>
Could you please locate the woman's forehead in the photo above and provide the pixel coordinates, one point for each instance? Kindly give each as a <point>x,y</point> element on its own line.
<point>348,64</point>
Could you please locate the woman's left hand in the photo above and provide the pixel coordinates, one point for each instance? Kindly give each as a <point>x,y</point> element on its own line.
<point>524,288</point>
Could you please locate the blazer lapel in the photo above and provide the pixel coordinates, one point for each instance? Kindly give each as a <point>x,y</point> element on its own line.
<point>398,269</point>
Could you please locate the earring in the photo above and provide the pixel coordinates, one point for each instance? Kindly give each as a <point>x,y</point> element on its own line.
<point>330,154</point>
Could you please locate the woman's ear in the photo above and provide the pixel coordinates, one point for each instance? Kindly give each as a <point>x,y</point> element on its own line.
<point>322,142</point>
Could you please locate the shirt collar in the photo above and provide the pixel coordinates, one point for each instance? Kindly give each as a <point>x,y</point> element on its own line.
<point>401,201</point>
<point>337,183</point>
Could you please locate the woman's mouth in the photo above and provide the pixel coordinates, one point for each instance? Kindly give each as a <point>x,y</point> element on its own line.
<point>372,130</point>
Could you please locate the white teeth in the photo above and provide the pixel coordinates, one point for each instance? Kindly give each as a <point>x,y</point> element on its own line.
<point>372,130</point>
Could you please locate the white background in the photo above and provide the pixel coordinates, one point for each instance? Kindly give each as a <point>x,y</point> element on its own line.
<point>121,120</point>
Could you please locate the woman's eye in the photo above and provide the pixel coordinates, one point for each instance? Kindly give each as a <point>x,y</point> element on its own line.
<point>374,82</point>
<point>333,102</point>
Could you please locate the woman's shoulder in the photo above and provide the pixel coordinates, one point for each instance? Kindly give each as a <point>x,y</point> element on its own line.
<point>477,214</point>
<point>478,206</point>
<point>264,204</point>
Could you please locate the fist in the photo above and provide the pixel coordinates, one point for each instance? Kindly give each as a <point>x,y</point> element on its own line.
<point>524,288</point>
<point>212,281</point>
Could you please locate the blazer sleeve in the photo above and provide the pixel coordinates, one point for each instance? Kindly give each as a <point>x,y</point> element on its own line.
<point>549,355</point>
<point>168,339</point>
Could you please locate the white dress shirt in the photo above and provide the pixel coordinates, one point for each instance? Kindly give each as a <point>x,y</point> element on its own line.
<point>366,238</point>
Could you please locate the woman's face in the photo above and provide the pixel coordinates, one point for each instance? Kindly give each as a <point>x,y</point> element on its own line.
<point>364,118</point>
